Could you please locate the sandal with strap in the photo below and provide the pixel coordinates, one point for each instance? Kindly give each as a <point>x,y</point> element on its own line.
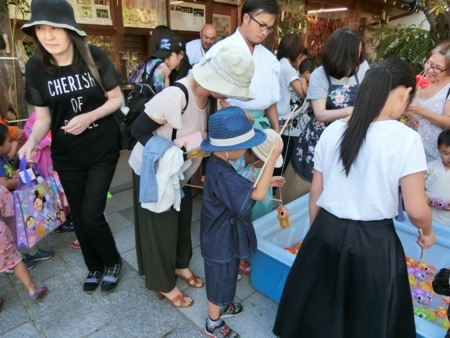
<point>193,281</point>
<point>179,301</point>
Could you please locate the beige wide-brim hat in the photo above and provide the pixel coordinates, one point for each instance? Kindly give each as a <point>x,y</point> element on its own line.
<point>228,73</point>
<point>262,151</point>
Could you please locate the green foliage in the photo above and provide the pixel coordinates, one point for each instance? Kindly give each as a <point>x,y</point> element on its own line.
<point>298,18</point>
<point>411,43</point>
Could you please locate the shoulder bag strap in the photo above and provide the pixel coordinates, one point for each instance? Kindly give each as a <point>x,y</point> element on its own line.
<point>184,90</point>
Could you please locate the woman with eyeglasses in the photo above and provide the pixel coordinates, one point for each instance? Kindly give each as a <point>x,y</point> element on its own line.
<point>431,104</point>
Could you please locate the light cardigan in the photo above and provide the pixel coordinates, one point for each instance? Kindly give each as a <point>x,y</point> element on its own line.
<point>265,82</point>
<point>168,177</point>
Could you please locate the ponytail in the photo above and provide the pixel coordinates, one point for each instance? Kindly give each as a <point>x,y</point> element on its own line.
<point>372,95</point>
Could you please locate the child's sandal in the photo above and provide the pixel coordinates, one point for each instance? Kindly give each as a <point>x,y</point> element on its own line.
<point>180,301</point>
<point>193,281</point>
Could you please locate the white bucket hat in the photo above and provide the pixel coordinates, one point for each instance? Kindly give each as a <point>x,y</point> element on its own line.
<point>262,151</point>
<point>229,73</point>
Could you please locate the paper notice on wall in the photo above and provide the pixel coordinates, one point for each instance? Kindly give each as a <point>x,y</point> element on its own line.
<point>144,13</point>
<point>187,16</point>
<point>95,12</point>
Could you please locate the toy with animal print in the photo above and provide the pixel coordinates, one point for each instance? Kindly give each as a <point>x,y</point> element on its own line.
<point>428,304</point>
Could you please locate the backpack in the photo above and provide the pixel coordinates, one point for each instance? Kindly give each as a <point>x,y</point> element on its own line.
<point>136,100</point>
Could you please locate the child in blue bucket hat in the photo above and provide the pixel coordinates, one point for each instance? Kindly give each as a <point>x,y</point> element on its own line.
<point>226,230</point>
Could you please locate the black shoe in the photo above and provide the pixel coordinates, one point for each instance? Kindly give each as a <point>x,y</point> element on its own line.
<point>92,280</point>
<point>66,227</point>
<point>111,277</point>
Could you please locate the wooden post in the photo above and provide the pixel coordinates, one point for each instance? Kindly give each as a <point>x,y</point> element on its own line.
<point>12,100</point>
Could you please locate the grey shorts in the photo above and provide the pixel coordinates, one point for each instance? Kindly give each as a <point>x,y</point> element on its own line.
<point>221,281</point>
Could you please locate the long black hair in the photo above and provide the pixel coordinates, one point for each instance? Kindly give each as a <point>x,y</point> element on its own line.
<point>379,81</point>
<point>183,69</point>
<point>80,62</point>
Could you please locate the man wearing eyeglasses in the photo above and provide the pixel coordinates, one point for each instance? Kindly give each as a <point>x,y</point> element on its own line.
<point>257,22</point>
<point>196,49</point>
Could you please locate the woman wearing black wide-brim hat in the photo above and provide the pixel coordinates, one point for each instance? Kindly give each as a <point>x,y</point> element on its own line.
<point>70,102</point>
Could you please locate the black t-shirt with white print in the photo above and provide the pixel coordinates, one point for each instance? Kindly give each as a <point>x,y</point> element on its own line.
<point>68,94</point>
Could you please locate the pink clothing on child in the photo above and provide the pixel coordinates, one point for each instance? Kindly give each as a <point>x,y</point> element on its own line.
<point>43,152</point>
<point>9,255</point>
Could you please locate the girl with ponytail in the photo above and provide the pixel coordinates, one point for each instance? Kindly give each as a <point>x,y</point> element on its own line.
<point>350,271</point>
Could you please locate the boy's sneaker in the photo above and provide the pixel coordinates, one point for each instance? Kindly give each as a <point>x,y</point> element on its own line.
<point>38,292</point>
<point>220,331</point>
<point>111,278</point>
<point>231,310</point>
<point>92,280</point>
<point>66,227</point>
<point>30,263</point>
<point>41,255</point>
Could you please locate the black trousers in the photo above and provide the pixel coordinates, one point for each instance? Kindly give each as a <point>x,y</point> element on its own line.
<point>163,240</point>
<point>86,191</point>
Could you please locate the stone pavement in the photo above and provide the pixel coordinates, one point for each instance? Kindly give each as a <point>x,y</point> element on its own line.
<point>131,310</point>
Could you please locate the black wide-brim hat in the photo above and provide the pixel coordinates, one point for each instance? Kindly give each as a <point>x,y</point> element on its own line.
<point>56,13</point>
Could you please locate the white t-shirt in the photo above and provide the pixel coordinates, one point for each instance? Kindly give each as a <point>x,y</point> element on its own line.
<point>318,82</point>
<point>168,105</point>
<point>265,82</point>
<point>194,51</point>
<point>287,75</point>
<point>390,151</point>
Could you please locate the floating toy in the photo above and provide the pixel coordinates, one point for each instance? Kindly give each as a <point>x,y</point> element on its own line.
<point>441,312</point>
<point>410,262</point>
<point>412,280</point>
<point>446,324</point>
<point>418,273</point>
<point>446,300</point>
<point>429,269</point>
<point>284,217</point>
<point>421,296</point>
<point>425,314</point>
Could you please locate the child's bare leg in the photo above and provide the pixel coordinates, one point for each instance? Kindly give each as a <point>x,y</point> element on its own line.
<point>22,273</point>
<point>213,311</point>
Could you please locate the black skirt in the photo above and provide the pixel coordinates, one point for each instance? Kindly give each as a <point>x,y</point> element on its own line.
<point>349,280</point>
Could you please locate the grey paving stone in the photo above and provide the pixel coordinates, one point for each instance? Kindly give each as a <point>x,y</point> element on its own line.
<point>118,222</point>
<point>45,270</point>
<point>186,330</point>
<point>120,201</point>
<point>195,234</point>
<point>137,310</point>
<point>66,311</point>
<point>196,210</point>
<point>110,330</point>
<point>74,259</point>
<point>13,314</point>
<point>130,257</point>
<point>128,213</point>
<point>6,287</point>
<point>257,319</point>
<point>244,288</point>
<point>123,160</point>
<point>125,240</point>
<point>197,263</point>
<point>26,330</point>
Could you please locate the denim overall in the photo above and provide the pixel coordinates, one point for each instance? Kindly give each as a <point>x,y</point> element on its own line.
<point>339,96</point>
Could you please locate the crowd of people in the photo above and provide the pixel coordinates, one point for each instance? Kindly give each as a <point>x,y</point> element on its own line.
<point>236,96</point>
